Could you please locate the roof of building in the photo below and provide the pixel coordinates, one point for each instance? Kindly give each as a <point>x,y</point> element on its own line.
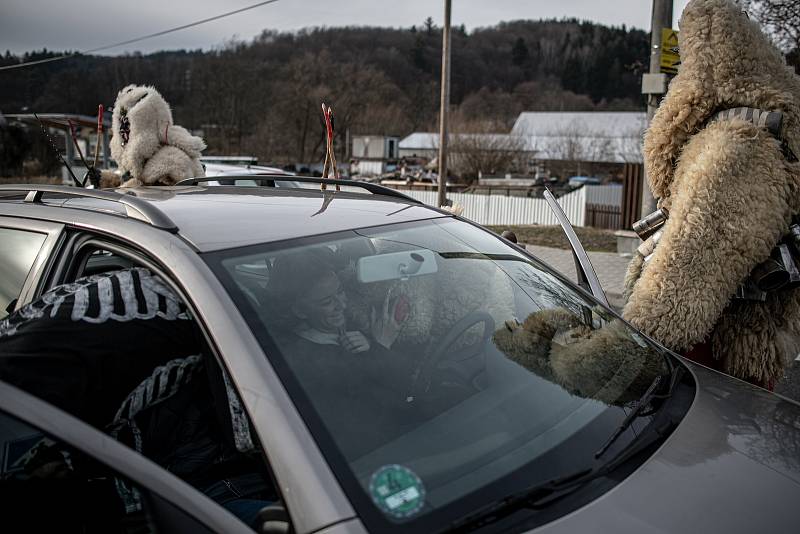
<point>598,136</point>
<point>586,123</point>
<point>430,141</point>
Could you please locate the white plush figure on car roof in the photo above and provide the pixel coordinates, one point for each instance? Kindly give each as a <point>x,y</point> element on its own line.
<point>148,148</point>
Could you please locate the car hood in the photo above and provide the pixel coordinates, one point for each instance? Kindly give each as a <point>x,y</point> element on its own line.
<point>732,465</point>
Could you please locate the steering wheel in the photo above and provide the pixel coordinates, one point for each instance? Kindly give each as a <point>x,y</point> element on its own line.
<point>437,356</point>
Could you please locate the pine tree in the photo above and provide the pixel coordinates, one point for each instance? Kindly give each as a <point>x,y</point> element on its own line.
<point>519,52</point>
<point>418,54</point>
<point>429,25</point>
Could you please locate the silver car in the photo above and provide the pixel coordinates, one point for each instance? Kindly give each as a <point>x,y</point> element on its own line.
<point>404,370</point>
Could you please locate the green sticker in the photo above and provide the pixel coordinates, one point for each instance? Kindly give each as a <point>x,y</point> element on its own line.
<point>397,491</point>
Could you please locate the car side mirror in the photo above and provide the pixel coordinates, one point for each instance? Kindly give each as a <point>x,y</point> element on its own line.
<point>509,235</point>
<point>274,519</point>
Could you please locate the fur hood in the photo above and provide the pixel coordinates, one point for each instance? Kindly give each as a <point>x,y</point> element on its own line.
<point>141,126</point>
<point>726,62</point>
<point>731,194</point>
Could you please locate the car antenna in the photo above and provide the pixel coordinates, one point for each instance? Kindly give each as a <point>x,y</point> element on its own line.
<point>95,177</point>
<point>330,158</point>
<point>58,153</point>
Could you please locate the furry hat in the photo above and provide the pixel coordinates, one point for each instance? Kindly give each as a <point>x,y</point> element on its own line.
<point>726,62</point>
<point>731,194</point>
<point>148,148</point>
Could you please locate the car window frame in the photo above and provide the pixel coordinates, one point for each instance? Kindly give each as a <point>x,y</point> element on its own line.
<point>60,425</point>
<point>43,263</point>
<point>73,257</point>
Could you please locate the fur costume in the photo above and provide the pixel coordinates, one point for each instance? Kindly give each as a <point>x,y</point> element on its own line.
<point>148,148</point>
<point>731,193</point>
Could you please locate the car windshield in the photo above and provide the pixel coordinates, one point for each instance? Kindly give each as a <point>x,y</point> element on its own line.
<point>435,364</point>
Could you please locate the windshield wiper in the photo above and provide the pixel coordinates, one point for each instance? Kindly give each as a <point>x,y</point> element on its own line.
<point>480,256</point>
<point>545,494</point>
<point>644,400</point>
<point>526,498</point>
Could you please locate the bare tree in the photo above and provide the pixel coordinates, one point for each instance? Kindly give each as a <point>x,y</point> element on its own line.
<point>476,149</point>
<point>573,144</point>
<point>782,20</point>
<point>476,154</point>
<point>364,100</point>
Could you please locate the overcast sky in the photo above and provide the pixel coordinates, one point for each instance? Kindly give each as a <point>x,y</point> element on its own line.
<point>27,25</point>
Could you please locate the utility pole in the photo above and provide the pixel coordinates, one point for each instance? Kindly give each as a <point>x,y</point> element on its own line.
<point>655,86</point>
<point>444,104</point>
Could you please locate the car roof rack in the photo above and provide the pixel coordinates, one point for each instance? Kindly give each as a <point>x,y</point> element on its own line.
<point>135,208</point>
<point>375,189</point>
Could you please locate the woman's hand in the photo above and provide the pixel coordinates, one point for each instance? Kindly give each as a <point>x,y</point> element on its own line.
<point>388,326</point>
<point>354,342</point>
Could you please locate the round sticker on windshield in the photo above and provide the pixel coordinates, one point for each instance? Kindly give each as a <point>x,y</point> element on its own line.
<point>397,491</point>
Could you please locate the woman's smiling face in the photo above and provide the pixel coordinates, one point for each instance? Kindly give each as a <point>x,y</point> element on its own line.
<point>322,305</point>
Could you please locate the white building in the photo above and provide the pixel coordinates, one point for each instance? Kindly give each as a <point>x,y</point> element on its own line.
<point>371,153</point>
<point>591,136</point>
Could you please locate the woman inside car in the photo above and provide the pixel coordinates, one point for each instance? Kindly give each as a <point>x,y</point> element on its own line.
<point>351,376</point>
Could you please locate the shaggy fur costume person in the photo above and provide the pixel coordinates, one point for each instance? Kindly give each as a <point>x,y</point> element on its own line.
<point>731,193</point>
<point>148,148</point>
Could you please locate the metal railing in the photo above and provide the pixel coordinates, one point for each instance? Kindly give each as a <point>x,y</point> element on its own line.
<point>135,208</point>
<point>375,189</point>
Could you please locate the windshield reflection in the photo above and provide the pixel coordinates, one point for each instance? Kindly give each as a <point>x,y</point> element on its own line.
<point>436,350</point>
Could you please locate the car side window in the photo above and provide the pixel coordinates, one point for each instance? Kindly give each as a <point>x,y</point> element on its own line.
<point>48,486</point>
<point>143,374</point>
<point>18,251</point>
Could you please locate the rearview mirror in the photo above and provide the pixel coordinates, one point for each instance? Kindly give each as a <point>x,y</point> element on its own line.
<point>396,266</point>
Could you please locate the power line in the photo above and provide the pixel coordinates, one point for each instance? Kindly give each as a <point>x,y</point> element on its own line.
<point>137,39</point>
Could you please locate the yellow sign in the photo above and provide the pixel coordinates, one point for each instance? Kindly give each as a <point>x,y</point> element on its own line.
<point>670,57</point>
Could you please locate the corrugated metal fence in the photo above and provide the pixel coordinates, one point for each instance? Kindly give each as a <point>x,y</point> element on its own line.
<point>500,210</point>
<point>607,195</point>
<point>604,206</point>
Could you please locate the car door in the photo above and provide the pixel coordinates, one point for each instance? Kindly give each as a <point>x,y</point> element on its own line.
<point>26,251</point>
<point>89,254</point>
<point>59,473</point>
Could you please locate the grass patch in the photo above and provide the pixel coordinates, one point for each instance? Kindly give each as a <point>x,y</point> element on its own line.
<point>592,239</point>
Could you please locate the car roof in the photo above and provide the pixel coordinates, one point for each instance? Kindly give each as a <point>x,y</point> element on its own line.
<point>216,217</point>
<point>219,217</point>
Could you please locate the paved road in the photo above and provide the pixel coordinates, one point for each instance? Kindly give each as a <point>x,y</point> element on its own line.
<point>610,269</point>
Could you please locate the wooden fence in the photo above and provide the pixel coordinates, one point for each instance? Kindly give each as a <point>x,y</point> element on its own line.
<point>604,216</point>
<point>632,184</point>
